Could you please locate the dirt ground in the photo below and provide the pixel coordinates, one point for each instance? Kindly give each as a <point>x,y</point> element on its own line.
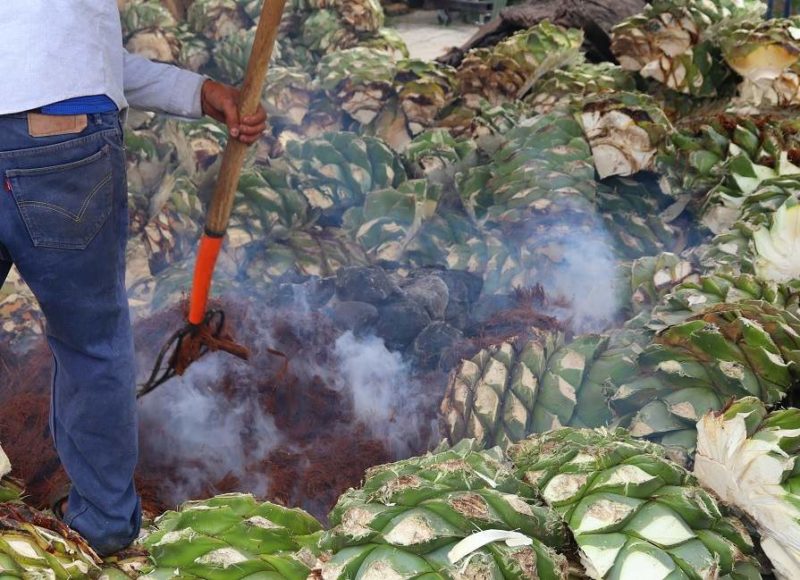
<point>426,38</point>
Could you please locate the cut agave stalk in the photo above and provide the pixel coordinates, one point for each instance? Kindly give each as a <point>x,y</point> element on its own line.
<point>34,545</point>
<point>765,239</point>
<point>766,55</point>
<point>671,43</point>
<point>10,490</point>
<point>625,131</point>
<point>751,459</point>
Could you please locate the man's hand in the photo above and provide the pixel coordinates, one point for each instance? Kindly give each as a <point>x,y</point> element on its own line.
<point>221,102</point>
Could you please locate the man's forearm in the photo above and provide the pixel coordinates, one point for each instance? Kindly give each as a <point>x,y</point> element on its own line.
<point>162,88</point>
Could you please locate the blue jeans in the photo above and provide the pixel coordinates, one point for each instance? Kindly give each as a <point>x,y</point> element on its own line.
<point>64,223</point>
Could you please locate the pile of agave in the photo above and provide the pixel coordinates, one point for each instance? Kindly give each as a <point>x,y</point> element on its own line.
<point>663,447</point>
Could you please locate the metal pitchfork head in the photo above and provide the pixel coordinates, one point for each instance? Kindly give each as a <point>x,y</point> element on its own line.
<point>190,344</point>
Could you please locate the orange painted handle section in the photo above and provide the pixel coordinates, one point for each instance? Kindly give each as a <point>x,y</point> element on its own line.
<point>203,272</point>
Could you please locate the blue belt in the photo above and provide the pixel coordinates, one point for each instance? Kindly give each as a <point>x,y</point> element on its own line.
<point>81,106</point>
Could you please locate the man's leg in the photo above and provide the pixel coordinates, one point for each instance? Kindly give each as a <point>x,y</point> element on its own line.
<point>65,227</point>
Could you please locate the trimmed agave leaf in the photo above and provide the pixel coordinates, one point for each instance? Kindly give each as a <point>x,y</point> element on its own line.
<point>360,79</point>
<point>411,517</point>
<point>562,87</point>
<point>541,166</point>
<point>435,152</point>
<point>194,50</point>
<point>311,252</point>
<point>724,202</point>
<point>173,221</point>
<point>634,214</point>
<point>390,125</point>
<point>632,512</point>
<point>141,15</point>
<point>214,537</point>
<point>23,323</point>
<point>651,278</point>
<point>323,32</point>
<point>533,201</point>
<point>287,95</point>
<point>423,90</point>
<point>148,162</point>
<point>747,348</point>
<point>482,121</point>
<point>721,287</point>
<point>506,71</point>
<point>156,44</point>
<point>361,15</point>
<point>387,40</point>
<point>734,152</point>
<point>267,206</point>
<point>749,458</point>
<point>216,19</point>
<point>231,53</point>
<point>449,239</point>
<point>336,171</point>
<point>198,148</point>
<point>390,218</point>
<point>534,385</point>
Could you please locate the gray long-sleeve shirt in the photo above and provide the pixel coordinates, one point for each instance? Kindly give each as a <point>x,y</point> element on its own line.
<point>54,50</point>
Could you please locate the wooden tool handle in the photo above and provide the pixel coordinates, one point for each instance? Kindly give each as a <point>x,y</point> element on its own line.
<point>219,211</point>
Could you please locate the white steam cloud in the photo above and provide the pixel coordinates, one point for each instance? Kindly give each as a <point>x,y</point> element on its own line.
<point>586,279</point>
<point>385,398</point>
<point>204,432</point>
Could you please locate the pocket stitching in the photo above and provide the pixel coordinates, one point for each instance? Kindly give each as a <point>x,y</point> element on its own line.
<point>41,238</point>
<point>47,149</point>
<point>76,218</point>
<point>17,173</point>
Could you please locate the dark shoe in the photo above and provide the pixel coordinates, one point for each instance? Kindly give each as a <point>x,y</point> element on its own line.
<point>57,500</point>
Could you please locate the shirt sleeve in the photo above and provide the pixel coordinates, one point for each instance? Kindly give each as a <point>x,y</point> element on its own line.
<point>161,88</point>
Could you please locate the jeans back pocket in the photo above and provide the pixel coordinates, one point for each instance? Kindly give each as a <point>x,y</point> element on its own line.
<point>65,206</point>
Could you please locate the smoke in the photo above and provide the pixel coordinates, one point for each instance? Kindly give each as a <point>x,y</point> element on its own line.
<point>204,432</point>
<point>385,397</point>
<point>300,429</point>
<point>586,279</point>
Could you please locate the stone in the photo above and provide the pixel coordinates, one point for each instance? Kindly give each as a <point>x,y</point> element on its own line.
<point>436,339</point>
<point>364,284</point>
<point>357,317</point>
<point>431,292</point>
<point>400,322</point>
<point>313,293</point>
